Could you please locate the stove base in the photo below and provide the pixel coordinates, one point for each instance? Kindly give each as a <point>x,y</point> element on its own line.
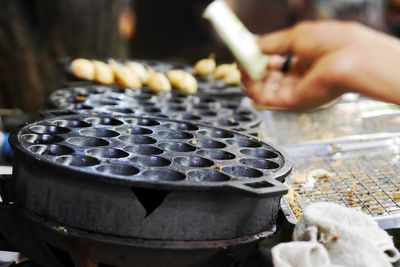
<point>53,245</point>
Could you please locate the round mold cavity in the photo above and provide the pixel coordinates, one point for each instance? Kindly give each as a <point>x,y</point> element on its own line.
<point>181,126</point>
<point>98,132</point>
<point>229,106</point>
<point>71,123</point>
<point>88,141</point>
<point>194,161</point>
<point>221,134</point>
<point>48,129</point>
<point>177,147</point>
<point>207,100</point>
<point>201,106</point>
<point>118,90</point>
<point>242,171</point>
<point>122,110</point>
<point>202,132</point>
<point>152,110</point>
<point>164,175</point>
<point>109,153</point>
<point>97,90</point>
<point>134,130</point>
<point>243,113</point>
<point>58,113</point>
<point>243,118</point>
<point>177,108</point>
<point>142,97</point>
<point>161,115</point>
<point>208,176</point>
<point>176,101</point>
<point>209,143</point>
<point>104,103</point>
<point>229,122</point>
<point>190,117</point>
<point>105,121</point>
<point>175,135</point>
<point>208,113</point>
<point>144,150</point>
<point>176,94</point>
<point>259,163</point>
<point>42,138</point>
<point>216,154</point>
<point>78,160</point>
<point>138,139</point>
<point>51,150</point>
<point>82,106</point>
<point>242,142</point>
<point>147,122</point>
<point>114,98</point>
<point>118,169</point>
<point>147,103</point>
<point>152,161</point>
<point>259,153</point>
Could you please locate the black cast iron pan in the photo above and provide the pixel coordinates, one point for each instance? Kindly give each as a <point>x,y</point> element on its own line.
<point>206,85</point>
<point>148,178</point>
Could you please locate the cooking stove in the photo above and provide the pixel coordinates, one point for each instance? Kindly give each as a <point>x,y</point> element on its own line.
<point>90,190</point>
<point>260,258</point>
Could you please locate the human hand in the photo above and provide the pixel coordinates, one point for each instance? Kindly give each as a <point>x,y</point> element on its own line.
<point>330,58</point>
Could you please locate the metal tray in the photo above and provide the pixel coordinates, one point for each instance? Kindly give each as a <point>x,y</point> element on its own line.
<point>207,86</point>
<point>344,119</point>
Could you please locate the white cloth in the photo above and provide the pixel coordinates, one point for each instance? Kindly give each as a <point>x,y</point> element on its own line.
<point>300,254</point>
<point>350,237</point>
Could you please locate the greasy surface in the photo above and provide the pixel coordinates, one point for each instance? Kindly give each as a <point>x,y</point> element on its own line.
<point>225,113</point>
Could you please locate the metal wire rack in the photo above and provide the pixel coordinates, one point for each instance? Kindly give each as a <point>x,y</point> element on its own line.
<point>363,174</point>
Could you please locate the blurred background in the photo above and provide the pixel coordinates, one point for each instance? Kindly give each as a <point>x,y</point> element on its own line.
<point>35,35</point>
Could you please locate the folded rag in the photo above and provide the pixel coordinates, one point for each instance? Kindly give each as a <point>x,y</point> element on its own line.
<point>350,237</point>
<point>301,254</point>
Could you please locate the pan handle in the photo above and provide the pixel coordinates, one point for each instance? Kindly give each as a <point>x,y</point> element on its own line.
<point>270,188</point>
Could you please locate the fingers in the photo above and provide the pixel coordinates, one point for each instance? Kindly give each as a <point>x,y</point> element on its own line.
<point>264,90</point>
<point>290,92</point>
<point>276,43</point>
<point>305,39</point>
<point>276,62</point>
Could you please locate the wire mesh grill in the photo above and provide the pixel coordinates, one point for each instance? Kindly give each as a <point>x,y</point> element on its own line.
<point>368,180</point>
